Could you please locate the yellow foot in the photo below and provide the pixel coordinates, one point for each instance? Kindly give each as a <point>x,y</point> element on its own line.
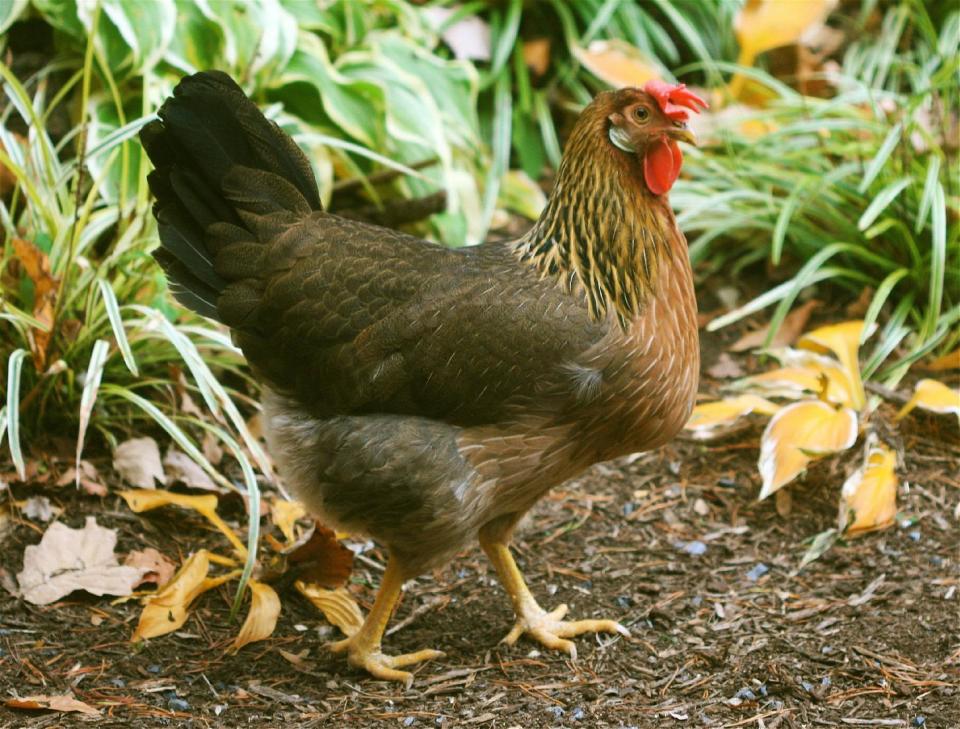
<point>551,630</point>
<point>380,665</point>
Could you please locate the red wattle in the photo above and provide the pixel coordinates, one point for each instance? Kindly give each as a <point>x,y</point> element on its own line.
<point>661,165</point>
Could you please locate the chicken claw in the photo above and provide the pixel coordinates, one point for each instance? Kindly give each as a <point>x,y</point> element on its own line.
<point>379,665</point>
<point>363,647</point>
<point>549,629</point>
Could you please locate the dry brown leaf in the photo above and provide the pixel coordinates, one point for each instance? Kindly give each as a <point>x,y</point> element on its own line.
<point>39,508</point>
<point>617,63</point>
<point>156,566</point>
<point>51,703</point>
<point>262,619</point>
<point>869,497</point>
<point>725,367</point>
<point>138,462</point>
<point>322,559</point>
<point>89,479</point>
<point>337,606</point>
<point>74,559</point>
<point>211,449</point>
<point>206,506</point>
<point>793,324</point>
<point>183,469</point>
<point>799,433</point>
<point>36,264</point>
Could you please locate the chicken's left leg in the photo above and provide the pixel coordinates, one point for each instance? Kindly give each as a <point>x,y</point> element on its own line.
<point>363,647</point>
<point>548,628</point>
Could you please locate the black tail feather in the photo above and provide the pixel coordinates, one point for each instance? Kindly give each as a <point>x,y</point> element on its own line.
<point>219,165</point>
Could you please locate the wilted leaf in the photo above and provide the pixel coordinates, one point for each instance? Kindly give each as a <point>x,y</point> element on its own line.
<point>138,462</point>
<point>536,54</point>
<point>51,703</point>
<point>843,340</point>
<point>762,25</point>
<point>933,396</point>
<point>949,361</point>
<point>803,376</point>
<point>74,559</point>
<point>285,514</point>
<point>39,508</point>
<point>88,476</point>
<point>182,468</point>
<point>791,327</point>
<point>337,606</point>
<point>262,618</point>
<point>709,418</point>
<point>206,506</point>
<point>36,264</point>
<point>725,366</point>
<point>617,63</point>
<point>799,433</point>
<point>167,609</point>
<point>869,497</point>
<point>155,565</point>
<point>322,559</point>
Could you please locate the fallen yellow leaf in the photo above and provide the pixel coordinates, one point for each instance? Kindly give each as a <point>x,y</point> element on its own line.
<point>843,340</point>
<point>934,396</point>
<point>802,377</point>
<point>140,500</point>
<point>338,606</point>
<point>285,514</point>
<point>799,433</point>
<point>617,63</point>
<point>262,618</point>
<point>869,497</point>
<point>949,361</point>
<point>708,419</point>
<point>167,609</point>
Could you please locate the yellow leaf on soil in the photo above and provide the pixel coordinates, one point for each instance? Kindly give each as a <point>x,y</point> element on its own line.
<point>617,63</point>
<point>949,361</point>
<point>843,340</point>
<point>140,500</point>
<point>799,433</point>
<point>338,606</point>
<point>869,497</point>
<point>167,609</point>
<point>803,378</point>
<point>285,514</point>
<point>262,618</point>
<point>933,396</point>
<point>707,419</point>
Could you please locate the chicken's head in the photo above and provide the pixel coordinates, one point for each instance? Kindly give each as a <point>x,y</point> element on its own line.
<point>649,122</point>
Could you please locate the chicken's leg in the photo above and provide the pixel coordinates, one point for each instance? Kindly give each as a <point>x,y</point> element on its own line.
<point>548,628</point>
<point>363,647</point>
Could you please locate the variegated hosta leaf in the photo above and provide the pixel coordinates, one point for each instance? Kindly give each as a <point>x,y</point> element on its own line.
<point>712,418</point>
<point>843,341</point>
<point>262,618</point>
<point>338,606</point>
<point>869,497</point>
<point>799,433</point>
<point>167,609</point>
<point>934,396</point>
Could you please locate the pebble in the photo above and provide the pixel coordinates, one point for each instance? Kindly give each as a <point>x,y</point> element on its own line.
<point>696,548</point>
<point>557,712</point>
<point>409,721</point>
<point>914,535</point>
<point>624,601</point>
<point>757,572</point>
<point>920,720</point>
<point>747,694</point>
<point>118,682</point>
<point>178,704</point>
<point>577,714</point>
<point>629,508</point>
<point>153,668</point>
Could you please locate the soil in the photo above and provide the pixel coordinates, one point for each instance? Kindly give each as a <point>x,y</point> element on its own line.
<point>726,630</point>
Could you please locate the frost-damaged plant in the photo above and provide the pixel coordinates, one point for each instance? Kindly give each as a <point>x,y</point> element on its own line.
<point>829,412</point>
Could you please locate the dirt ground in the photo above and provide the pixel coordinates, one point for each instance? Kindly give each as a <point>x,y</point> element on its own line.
<point>726,631</point>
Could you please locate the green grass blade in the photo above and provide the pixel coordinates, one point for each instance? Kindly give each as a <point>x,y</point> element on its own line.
<point>116,324</point>
<point>881,157</point>
<point>14,370</point>
<point>91,385</point>
<point>886,196</point>
<point>929,188</point>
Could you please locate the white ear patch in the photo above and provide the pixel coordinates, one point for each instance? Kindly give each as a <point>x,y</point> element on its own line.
<point>620,139</point>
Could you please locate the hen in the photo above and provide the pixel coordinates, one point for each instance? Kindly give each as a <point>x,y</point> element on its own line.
<point>426,396</point>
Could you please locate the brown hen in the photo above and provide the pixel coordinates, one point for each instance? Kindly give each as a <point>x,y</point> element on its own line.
<point>425,396</point>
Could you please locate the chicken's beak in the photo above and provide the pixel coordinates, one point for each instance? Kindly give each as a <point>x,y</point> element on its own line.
<point>681,132</point>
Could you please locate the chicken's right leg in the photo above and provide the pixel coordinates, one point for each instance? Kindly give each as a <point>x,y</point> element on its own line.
<point>363,647</point>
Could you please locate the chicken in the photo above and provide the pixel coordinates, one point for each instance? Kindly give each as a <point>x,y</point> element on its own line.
<point>424,396</point>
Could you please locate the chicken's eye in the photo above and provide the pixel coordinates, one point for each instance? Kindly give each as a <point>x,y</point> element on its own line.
<point>641,114</point>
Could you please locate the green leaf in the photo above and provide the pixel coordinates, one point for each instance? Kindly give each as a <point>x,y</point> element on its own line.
<point>14,370</point>
<point>886,196</point>
<point>91,384</point>
<point>10,12</point>
<point>880,158</point>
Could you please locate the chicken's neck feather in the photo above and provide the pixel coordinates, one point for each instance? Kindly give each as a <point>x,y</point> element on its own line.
<point>603,231</point>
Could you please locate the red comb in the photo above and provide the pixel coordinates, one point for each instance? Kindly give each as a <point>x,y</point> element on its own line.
<point>672,99</point>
